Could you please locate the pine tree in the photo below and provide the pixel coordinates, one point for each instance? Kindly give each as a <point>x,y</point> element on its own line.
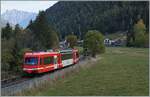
<point>16,48</point>
<point>54,43</point>
<point>43,33</point>
<point>17,30</point>
<point>7,31</point>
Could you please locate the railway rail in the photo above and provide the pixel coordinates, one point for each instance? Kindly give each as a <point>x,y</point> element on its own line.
<point>12,81</point>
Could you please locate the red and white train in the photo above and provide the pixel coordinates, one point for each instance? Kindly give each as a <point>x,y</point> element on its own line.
<point>40,62</point>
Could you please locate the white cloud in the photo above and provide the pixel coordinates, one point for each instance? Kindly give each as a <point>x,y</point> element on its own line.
<point>30,6</point>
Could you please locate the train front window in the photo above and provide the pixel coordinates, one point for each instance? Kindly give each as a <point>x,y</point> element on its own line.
<point>31,60</point>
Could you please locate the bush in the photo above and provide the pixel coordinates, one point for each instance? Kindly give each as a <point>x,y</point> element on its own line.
<point>93,42</point>
<point>141,37</point>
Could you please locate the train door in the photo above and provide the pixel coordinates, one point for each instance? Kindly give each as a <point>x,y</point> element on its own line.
<point>48,62</point>
<point>60,65</point>
<point>55,62</point>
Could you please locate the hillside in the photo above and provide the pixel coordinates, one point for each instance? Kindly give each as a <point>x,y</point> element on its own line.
<point>4,22</point>
<point>107,17</point>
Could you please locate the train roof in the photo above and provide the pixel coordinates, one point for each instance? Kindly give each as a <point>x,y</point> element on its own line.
<point>68,50</point>
<point>65,51</point>
<point>39,53</point>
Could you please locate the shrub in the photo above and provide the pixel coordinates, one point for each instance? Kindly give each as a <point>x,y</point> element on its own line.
<point>93,42</point>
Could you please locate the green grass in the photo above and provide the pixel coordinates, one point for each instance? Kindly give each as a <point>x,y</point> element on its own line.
<point>120,71</point>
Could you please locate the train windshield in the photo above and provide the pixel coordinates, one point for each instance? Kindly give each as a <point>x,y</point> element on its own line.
<point>31,60</point>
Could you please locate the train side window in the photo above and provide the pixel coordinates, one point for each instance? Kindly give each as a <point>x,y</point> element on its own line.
<point>66,56</point>
<point>48,60</point>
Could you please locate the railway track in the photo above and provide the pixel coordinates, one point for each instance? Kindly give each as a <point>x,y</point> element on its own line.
<point>16,85</point>
<point>13,81</point>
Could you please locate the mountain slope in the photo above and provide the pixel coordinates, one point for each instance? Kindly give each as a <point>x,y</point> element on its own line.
<point>4,22</point>
<point>18,17</point>
<point>108,17</point>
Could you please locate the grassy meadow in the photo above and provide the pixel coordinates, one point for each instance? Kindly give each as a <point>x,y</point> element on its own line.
<point>120,71</point>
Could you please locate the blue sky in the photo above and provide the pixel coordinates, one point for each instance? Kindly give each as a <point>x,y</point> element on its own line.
<point>30,6</point>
